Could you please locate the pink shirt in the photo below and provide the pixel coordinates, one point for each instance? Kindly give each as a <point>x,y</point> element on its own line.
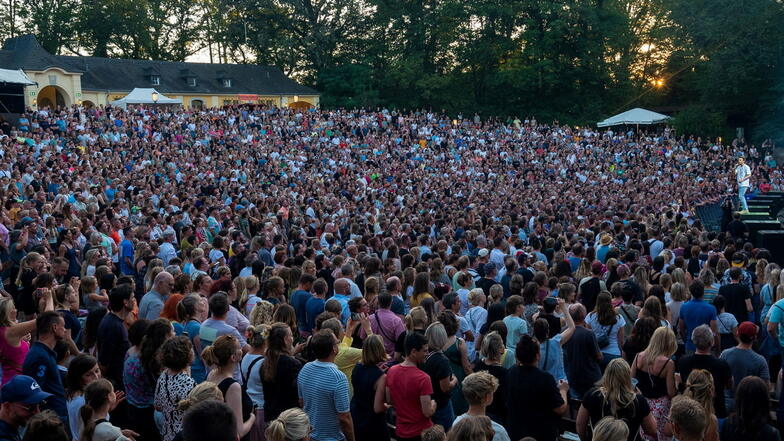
<point>388,325</point>
<point>11,357</point>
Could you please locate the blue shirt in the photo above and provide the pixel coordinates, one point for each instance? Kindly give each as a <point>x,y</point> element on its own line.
<point>151,305</point>
<point>8,432</point>
<point>298,300</point>
<point>346,314</point>
<point>694,313</point>
<point>313,307</point>
<point>41,364</point>
<point>324,393</point>
<point>198,371</point>
<point>126,250</point>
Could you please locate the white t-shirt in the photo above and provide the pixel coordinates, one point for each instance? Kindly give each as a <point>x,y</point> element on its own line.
<point>741,172</point>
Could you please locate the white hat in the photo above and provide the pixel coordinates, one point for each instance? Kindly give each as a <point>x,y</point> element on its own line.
<point>483,252</point>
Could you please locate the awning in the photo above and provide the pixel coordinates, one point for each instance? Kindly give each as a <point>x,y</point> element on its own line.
<point>633,117</point>
<point>15,77</point>
<point>144,96</point>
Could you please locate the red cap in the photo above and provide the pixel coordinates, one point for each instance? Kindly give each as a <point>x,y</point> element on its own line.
<point>747,329</point>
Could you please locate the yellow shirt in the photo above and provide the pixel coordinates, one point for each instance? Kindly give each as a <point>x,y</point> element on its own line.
<point>416,301</point>
<point>346,359</point>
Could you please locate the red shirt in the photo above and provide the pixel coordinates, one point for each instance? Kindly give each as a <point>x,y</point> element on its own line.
<point>406,384</point>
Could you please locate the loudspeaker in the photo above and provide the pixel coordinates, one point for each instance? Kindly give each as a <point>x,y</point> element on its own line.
<point>773,241</point>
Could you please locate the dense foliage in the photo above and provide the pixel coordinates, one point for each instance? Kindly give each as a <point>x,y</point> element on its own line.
<point>573,60</point>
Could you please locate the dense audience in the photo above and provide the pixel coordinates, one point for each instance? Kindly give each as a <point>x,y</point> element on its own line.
<point>272,274</point>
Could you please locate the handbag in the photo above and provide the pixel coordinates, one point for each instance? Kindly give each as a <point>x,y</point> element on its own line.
<point>604,340</point>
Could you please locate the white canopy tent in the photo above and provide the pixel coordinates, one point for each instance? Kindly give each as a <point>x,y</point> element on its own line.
<point>15,77</point>
<point>634,116</point>
<point>145,96</point>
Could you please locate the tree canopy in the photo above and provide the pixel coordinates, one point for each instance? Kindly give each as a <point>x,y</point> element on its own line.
<point>571,60</point>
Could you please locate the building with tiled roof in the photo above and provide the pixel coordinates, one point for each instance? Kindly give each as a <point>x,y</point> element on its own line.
<point>65,80</point>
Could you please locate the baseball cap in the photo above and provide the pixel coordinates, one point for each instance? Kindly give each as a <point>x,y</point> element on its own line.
<point>22,389</point>
<point>489,267</point>
<point>483,252</point>
<point>747,329</point>
<point>739,258</point>
<point>26,221</point>
<point>623,270</point>
<point>596,267</point>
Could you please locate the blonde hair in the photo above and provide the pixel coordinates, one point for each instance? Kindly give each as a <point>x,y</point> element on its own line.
<point>476,295</point>
<point>373,351</point>
<point>202,392</point>
<point>699,387</point>
<point>23,265</point>
<point>257,335</point>
<point>679,292</point>
<point>610,429</point>
<point>5,311</point>
<point>250,283</point>
<point>291,425</point>
<point>496,292</point>
<point>665,280</point>
<point>493,347</point>
<point>416,318</point>
<point>262,313</point>
<point>662,344</point>
<point>477,386</point>
<point>240,289</point>
<point>616,386</point>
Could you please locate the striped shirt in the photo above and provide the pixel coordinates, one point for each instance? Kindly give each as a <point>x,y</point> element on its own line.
<point>323,389</point>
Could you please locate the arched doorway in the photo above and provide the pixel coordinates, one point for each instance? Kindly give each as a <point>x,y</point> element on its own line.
<point>197,104</point>
<point>87,104</point>
<point>51,96</point>
<point>300,105</point>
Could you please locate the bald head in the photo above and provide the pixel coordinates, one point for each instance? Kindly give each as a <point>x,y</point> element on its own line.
<point>164,282</point>
<point>342,286</point>
<point>578,312</point>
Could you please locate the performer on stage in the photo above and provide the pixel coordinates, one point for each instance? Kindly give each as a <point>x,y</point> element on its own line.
<point>743,174</point>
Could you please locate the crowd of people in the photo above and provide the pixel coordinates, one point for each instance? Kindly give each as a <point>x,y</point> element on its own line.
<point>254,273</point>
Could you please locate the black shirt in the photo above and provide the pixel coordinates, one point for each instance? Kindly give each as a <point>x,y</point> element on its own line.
<point>718,368</point>
<point>281,393</point>
<point>580,362</point>
<point>532,416</point>
<point>485,284</point>
<point>598,407</point>
<point>437,367</point>
<point>736,295</point>
<point>737,228</point>
<point>112,342</point>
<point>496,411</point>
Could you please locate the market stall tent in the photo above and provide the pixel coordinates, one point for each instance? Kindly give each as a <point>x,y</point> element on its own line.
<point>145,96</point>
<point>634,116</point>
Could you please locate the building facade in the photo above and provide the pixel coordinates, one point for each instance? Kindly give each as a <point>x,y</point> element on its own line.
<point>91,81</point>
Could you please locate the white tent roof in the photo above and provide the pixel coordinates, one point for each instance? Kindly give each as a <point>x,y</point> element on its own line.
<point>634,116</point>
<point>15,76</point>
<point>144,96</point>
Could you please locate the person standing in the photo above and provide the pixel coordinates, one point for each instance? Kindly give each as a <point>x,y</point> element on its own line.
<point>737,295</point>
<point>743,176</point>
<point>581,355</point>
<point>536,416</point>
<point>41,362</point>
<point>152,303</point>
<point>742,359</point>
<point>127,253</point>
<point>408,389</point>
<point>694,313</point>
<point>323,391</point>
<point>703,359</point>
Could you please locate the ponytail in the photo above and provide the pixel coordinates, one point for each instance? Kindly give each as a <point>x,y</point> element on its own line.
<point>23,265</point>
<point>88,424</point>
<point>292,425</point>
<point>96,395</point>
<point>202,392</point>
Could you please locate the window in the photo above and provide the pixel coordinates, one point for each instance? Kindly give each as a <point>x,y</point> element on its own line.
<point>192,81</point>
<point>227,82</point>
<point>53,80</point>
<point>155,80</point>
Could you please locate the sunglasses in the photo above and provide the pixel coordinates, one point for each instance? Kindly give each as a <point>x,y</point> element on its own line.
<point>30,408</point>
